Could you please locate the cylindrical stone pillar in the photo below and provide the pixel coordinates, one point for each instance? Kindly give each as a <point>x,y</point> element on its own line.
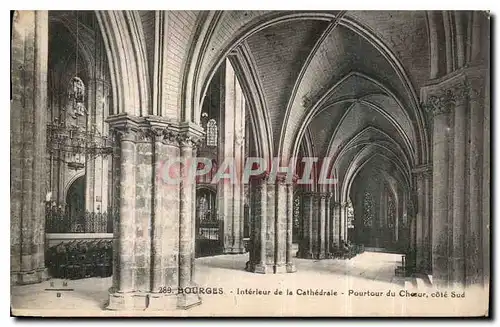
<point>281,225</point>
<point>185,228</point>
<point>419,242</point>
<point>328,226</point>
<point>459,144</point>
<point>473,233</point>
<point>261,215</point>
<point>440,164</point>
<point>322,225</point>
<point>157,223</point>
<point>290,267</point>
<point>28,146</point>
<point>306,245</point>
<point>126,231</point>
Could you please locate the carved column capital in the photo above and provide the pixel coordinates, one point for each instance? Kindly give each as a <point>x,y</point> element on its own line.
<point>125,133</point>
<point>453,90</point>
<point>190,135</point>
<point>444,101</point>
<point>157,133</point>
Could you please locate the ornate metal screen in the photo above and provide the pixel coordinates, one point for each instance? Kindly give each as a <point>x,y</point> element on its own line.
<point>59,220</point>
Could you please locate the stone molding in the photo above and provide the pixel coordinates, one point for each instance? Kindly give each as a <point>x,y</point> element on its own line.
<point>452,90</point>
<point>320,195</point>
<point>443,101</point>
<point>155,129</point>
<point>422,171</point>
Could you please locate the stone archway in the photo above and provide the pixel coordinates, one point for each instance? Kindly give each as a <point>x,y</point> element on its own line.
<point>75,202</point>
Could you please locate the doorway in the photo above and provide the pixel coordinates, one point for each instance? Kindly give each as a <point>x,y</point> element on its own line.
<point>208,226</point>
<point>75,205</point>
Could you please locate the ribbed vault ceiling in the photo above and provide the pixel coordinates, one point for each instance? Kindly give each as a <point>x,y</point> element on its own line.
<point>329,80</point>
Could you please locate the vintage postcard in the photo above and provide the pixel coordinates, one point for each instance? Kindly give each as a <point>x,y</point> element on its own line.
<point>250,163</point>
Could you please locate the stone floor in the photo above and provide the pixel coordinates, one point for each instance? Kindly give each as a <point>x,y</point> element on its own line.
<point>351,279</point>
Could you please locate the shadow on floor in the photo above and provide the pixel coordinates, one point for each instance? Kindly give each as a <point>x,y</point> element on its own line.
<point>231,262</point>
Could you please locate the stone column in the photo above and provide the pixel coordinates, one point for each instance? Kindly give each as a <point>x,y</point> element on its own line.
<point>477,216</point>
<point>421,243</point>
<point>458,223</point>
<point>336,225</point>
<point>328,226</point>
<point>484,225</point>
<point>427,222</point>
<point>343,221</point>
<point>306,244</point>
<point>396,218</point>
<point>231,145</point>
<point>258,262</point>
<point>440,227</point>
<point>186,235</point>
<point>164,247</point>
<point>316,227</point>
<point>281,224</point>
<point>28,146</point>
<point>322,225</point>
<point>290,266</point>
<point>455,240</point>
<point>440,100</point>
<point>155,243</point>
<point>272,240</point>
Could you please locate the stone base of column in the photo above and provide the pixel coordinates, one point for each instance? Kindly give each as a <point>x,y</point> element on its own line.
<point>280,269</point>
<point>290,268</point>
<point>150,301</point>
<point>321,256</point>
<point>162,302</point>
<point>186,301</point>
<point>311,255</point>
<point>260,268</point>
<point>29,277</point>
<point>127,301</point>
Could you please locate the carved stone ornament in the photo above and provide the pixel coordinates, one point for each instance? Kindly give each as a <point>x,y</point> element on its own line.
<point>446,100</point>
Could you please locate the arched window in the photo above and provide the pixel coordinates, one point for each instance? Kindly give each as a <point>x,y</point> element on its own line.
<point>296,212</point>
<point>212,133</point>
<point>368,209</point>
<point>391,212</point>
<point>350,214</point>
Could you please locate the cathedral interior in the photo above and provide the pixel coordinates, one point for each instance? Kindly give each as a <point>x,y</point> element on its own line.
<point>400,102</point>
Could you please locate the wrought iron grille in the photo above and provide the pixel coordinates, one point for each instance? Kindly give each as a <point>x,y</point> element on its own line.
<point>59,220</point>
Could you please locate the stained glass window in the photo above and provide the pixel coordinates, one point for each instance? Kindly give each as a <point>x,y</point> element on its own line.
<point>391,212</point>
<point>212,133</point>
<point>350,214</point>
<point>368,209</point>
<point>296,212</point>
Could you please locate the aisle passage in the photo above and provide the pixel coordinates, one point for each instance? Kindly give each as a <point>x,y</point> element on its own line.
<point>225,274</point>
